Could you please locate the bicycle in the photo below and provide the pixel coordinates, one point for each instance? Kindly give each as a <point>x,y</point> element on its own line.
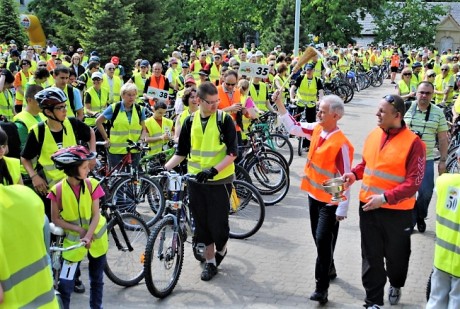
<point>164,253</point>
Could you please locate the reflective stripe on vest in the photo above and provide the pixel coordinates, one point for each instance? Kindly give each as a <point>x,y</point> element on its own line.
<point>214,74</point>
<point>139,81</point>
<point>206,149</point>
<point>114,91</point>
<point>447,248</point>
<point>53,175</point>
<point>259,97</point>
<point>196,70</point>
<point>14,168</point>
<point>155,130</point>
<point>122,130</point>
<point>7,104</point>
<point>25,276</point>
<point>386,167</point>
<point>307,92</point>
<point>320,165</point>
<point>79,212</point>
<point>70,112</point>
<point>98,104</point>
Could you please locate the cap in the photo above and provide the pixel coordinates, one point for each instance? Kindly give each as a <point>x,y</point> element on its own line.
<point>94,53</point>
<point>12,42</point>
<point>80,50</point>
<point>185,65</point>
<point>413,51</point>
<point>173,61</point>
<point>259,53</point>
<point>190,80</point>
<point>15,53</point>
<point>278,46</point>
<point>416,65</point>
<point>53,53</point>
<point>96,75</point>
<point>309,66</point>
<point>94,58</point>
<point>202,73</point>
<point>115,60</point>
<point>145,63</point>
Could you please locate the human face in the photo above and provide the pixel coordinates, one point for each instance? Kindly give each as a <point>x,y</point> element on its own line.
<point>83,170</point>
<point>72,79</point>
<point>386,115</point>
<point>159,113</point>
<point>76,60</point>
<point>209,104</point>
<point>193,102</point>
<point>326,119</point>
<point>217,59</point>
<point>444,70</point>
<point>60,111</point>
<point>61,79</point>
<point>230,82</point>
<point>41,64</point>
<point>3,150</point>
<point>156,70</point>
<point>424,94</point>
<point>97,82</point>
<point>406,76</point>
<point>58,62</point>
<point>110,70</point>
<point>129,97</point>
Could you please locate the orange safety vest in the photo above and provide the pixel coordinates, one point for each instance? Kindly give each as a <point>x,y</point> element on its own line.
<point>320,165</point>
<point>154,84</point>
<point>224,101</point>
<point>386,167</point>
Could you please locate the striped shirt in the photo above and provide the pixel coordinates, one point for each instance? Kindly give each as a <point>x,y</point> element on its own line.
<point>415,120</point>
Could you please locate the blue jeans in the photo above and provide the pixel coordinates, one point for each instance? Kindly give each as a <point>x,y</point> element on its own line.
<point>96,275</point>
<point>425,192</point>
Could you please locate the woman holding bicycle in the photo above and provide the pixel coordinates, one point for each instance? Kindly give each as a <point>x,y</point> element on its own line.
<point>75,208</point>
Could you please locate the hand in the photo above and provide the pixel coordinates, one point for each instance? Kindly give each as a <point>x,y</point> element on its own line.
<point>375,201</point>
<point>82,232</point>
<point>340,218</point>
<point>40,185</point>
<point>107,143</point>
<point>203,176</point>
<point>349,178</point>
<point>442,168</point>
<point>237,107</point>
<point>87,240</point>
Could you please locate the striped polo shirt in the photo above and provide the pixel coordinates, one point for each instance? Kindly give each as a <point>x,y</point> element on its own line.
<point>415,120</point>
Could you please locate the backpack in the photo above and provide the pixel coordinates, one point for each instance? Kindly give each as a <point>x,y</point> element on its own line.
<point>71,98</point>
<point>41,133</point>
<point>117,110</point>
<point>220,123</point>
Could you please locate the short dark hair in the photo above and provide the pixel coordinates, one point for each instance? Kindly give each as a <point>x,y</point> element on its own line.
<point>32,90</point>
<point>61,69</point>
<point>159,105</point>
<point>231,72</point>
<point>72,170</point>
<point>207,88</point>
<point>41,73</point>
<point>425,82</point>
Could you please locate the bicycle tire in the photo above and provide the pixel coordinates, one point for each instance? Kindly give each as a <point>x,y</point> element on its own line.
<point>247,217</point>
<point>143,197</point>
<point>158,257</point>
<point>285,149</point>
<point>124,267</point>
<point>242,174</point>
<point>271,179</point>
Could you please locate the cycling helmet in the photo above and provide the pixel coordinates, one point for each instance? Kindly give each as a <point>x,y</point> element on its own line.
<point>94,59</point>
<point>334,58</point>
<point>49,97</point>
<point>71,156</point>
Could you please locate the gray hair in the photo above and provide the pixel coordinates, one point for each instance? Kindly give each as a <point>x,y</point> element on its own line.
<point>336,104</point>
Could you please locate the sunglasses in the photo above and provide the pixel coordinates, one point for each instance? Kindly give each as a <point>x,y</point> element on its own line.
<point>230,84</point>
<point>432,75</point>
<point>444,69</point>
<point>111,69</point>
<point>217,58</point>
<point>407,74</point>
<point>425,93</point>
<point>26,63</point>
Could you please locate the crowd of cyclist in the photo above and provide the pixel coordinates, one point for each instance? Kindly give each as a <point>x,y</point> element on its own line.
<point>51,99</point>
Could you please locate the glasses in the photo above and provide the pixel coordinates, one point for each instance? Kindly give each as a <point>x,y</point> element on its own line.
<point>60,108</point>
<point>236,67</point>
<point>425,93</point>
<point>42,65</point>
<point>444,69</point>
<point>97,80</point>
<point>217,58</point>
<point>81,53</point>
<point>432,75</point>
<point>230,84</point>
<point>210,103</point>
<point>30,49</point>
<point>25,63</point>
<point>111,69</point>
<point>407,74</point>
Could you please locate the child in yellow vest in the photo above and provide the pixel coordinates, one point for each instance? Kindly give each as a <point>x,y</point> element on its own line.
<point>75,208</point>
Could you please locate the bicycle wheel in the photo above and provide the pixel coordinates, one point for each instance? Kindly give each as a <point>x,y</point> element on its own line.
<point>141,196</point>
<point>242,174</point>
<point>247,214</point>
<point>164,256</point>
<point>270,178</point>
<point>282,145</point>
<point>125,265</point>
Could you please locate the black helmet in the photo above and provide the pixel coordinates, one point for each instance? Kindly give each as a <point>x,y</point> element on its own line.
<point>334,58</point>
<point>50,97</point>
<point>71,156</point>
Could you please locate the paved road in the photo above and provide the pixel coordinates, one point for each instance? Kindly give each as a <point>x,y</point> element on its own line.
<point>275,267</point>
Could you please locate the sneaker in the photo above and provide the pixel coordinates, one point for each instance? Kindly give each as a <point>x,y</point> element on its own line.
<point>319,296</point>
<point>394,295</point>
<point>79,287</point>
<point>421,225</point>
<point>393,83</point>
<point>209,271</point>
<point>219,257</point>
<point>373,307</point>
<point>332,272</point>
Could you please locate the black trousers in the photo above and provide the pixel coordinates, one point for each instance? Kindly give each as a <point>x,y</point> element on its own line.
<point>310,115</point>
<point>210,205</point>
<point>385,241</point>
<point>324,229</point>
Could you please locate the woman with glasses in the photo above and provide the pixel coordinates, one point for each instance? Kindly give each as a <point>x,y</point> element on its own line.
<point>407,89</point>
<point>444,86</point>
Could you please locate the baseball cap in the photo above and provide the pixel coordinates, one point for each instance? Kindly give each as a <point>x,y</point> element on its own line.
<point>190,80</point>
<point>278,46</point>
<point>15,53</point>
<point>173,61</point>
<point>94,53</point>
<point>96,75</point>
<point>259,53</point>
<point>185,65</point>
<point>309,66</point>
<point>202,73</point>
<point>94,58</point>
<point>416,65</point>
<point>145,63</point>
<point>53,53</point>
<point>115,60</point>
<point>80,50</point>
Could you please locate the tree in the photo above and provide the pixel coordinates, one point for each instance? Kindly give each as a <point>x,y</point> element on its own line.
<point>109,30</point>
<point>412,22</point>
<point>9,23</point>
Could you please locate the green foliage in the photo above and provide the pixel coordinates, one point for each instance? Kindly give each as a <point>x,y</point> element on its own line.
<point>412,22</point>
<point>9,23</point>
<point>109,30</point>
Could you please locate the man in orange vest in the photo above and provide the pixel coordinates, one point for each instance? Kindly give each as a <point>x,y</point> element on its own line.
<point>392,170</point>
<point>330,156</point>
<point>157,80</point>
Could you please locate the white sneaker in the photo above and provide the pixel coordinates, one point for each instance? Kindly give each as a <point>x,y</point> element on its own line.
<point>394,295</point>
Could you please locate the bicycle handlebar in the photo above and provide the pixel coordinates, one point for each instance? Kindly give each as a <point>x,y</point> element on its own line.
<point>81,244</point>
<point>137,146</point>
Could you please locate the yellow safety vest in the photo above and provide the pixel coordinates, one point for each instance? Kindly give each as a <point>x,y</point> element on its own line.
<point>24,80</point>
<point>260,98</point>
<point>446,254</point>
<point>114,92</point>
<point>184,115</point>
<point>49,147</point>
<point>139,81</point>
<point>174,76</point>
<point>214,74</point>
<point>206,148</point>
<point>440,84</point>
<point>156,131</point>
<point>7,104</point>
<point>14,168</point>
<point>122,130</point>
<point>196,70</point>
<point>79,212</point>
<point>98,103</point>
<point>25,274</point>
<point>307,93</point>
